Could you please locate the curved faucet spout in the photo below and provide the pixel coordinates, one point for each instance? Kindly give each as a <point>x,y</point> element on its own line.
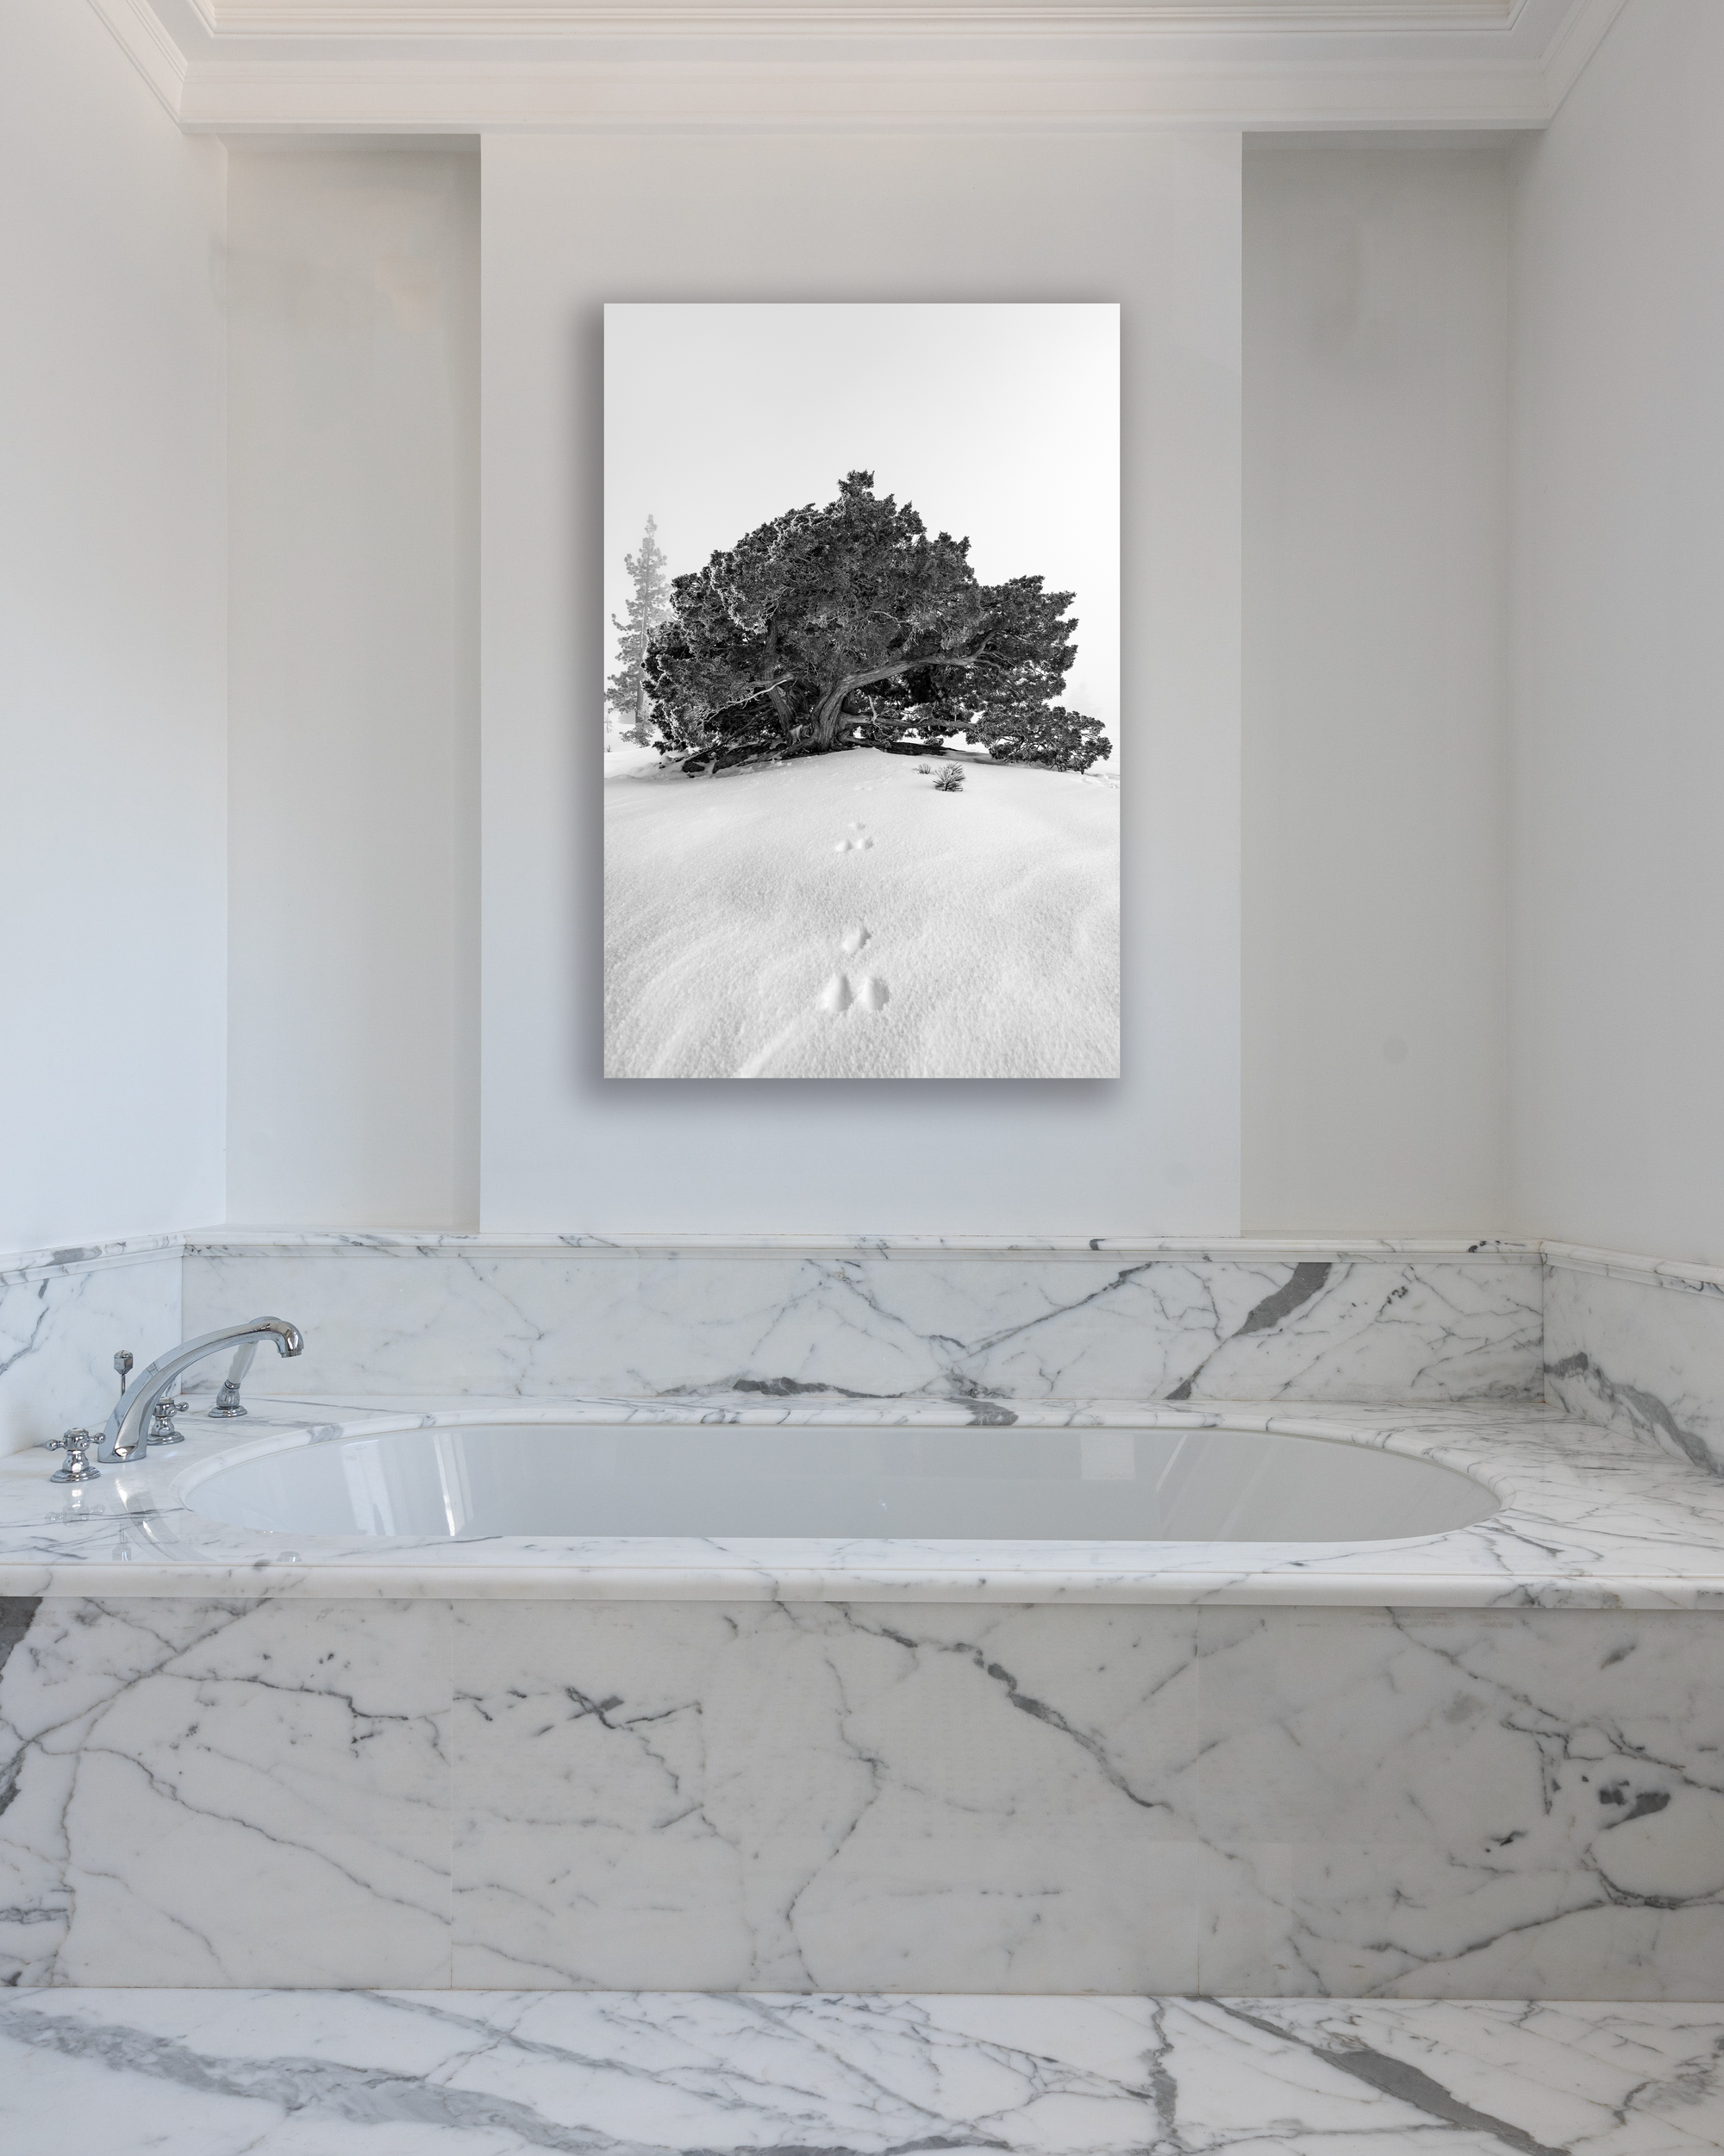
<point>126,1435</point>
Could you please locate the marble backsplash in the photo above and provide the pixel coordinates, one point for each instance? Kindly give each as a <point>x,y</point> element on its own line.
<point>871,1317</point>
<point>1638,1347</point>
<point>1630,1343</point>
<point>63,1313</point>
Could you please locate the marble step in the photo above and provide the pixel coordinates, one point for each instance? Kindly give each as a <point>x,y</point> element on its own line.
<point>490,2073</point>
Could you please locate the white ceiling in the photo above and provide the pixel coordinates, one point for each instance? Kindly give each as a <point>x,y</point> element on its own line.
<point>463,66</point>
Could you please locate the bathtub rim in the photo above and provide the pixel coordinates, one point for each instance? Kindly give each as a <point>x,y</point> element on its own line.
<point>1032,1553</point>
<point>1591,1519</point>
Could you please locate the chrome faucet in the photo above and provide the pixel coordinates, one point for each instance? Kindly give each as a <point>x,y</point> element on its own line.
<point>126,1435</point>
<point>227,1407</point>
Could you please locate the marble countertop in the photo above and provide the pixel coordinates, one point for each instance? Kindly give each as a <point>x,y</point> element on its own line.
<point>1590,1519</point>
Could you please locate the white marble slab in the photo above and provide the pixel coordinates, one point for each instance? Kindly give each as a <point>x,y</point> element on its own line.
<point>63,1313</point>
<point>851,1798</point>
<point>1349,1802</point>
<point>291,2073</point>
<point>1589,1517</point>
<point>863,1797</point>
<point>1463,1804</point>
<point>223,1794</point>
<point>877,1317</point>
<point>1639,1348</point>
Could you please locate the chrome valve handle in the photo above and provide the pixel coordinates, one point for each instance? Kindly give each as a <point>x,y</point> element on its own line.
<point>162,1431</point>
<point>75,1445</point>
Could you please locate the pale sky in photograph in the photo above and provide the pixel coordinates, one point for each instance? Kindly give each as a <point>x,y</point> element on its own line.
<point>1000,423</point>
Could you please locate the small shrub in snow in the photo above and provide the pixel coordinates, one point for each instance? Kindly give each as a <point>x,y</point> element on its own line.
<point>924,769</point>
<point>950,780</point>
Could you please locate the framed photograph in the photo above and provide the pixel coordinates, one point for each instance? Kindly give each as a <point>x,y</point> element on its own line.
<point>861,702</point>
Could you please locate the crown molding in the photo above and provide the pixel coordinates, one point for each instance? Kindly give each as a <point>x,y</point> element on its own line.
<point>380,19</point>
<point>1575,43</point>
<point>380,66</point>
<point>148,44</point>
<point>723,96</point>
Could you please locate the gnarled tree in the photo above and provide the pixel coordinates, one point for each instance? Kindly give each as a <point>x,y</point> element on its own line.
<point>843,624</point>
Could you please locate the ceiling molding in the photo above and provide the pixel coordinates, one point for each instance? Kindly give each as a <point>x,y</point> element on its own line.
<point>380,66</point>
<point>146,43</point>
<point>1578,39</point>
<point>368,19</point>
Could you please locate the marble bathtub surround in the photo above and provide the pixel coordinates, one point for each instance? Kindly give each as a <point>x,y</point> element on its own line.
<point>864,1796</point>
<point>873,1317</point>
<point>1638,1346</point>
<point>1490,1763</point>
<point>249,2073</point>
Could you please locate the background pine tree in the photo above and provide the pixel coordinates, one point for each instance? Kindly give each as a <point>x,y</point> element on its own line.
<point>627,695</point>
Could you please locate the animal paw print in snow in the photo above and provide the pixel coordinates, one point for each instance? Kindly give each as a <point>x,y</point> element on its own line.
<point>870,993</point>
<point>838,996</point>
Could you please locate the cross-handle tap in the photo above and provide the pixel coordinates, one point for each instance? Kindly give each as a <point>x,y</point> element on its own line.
<point>162,1431</point>
<point>126,1435</point>
<point>75,1444</point>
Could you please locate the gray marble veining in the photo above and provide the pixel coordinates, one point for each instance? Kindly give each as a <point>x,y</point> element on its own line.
<point>220,1794</point>
<point>1639,1348</point>
<point>385,2073</point>
<point>1345,1802</point>
<point>863,1796</point>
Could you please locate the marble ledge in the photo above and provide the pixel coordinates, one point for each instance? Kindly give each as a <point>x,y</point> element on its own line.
<point>528,1243</point>
<point>23,1267</point>
<point>1621,1264</point>
<point>1590,1518</point>
<point>238,1241</point>
<point>610,2074</point>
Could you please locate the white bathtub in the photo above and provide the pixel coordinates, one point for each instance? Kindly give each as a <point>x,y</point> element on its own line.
<point>922,1484</point>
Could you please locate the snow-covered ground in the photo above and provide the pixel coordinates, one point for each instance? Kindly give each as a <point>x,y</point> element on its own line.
<point>838,917</point>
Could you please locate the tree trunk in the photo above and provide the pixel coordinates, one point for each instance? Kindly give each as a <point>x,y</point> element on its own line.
<point>827,717</point>
<point>830,709</point>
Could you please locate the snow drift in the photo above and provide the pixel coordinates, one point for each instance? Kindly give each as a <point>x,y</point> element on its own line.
<point>838,917</point>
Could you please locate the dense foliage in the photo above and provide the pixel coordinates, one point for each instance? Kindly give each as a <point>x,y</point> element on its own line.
<point>846,624</point>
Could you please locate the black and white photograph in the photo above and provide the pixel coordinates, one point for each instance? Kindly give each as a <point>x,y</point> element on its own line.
<point>861,692</point>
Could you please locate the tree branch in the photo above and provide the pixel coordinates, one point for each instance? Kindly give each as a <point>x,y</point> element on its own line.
<point>825,717</point>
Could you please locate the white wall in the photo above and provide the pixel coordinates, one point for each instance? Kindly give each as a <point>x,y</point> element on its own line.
<point>1619,572</point>
<point>353,887</point>
<point>1375,1081</point>
<point>570,223</point>
<point>111,645</point>
<point>1400,1072</point>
